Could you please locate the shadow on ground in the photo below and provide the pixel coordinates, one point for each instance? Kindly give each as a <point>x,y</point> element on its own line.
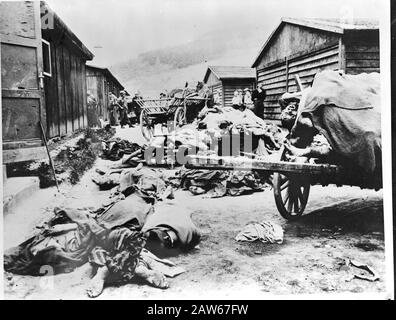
<point>360,216</point>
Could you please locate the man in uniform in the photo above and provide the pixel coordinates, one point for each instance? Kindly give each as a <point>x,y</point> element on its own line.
<point>258,96</point>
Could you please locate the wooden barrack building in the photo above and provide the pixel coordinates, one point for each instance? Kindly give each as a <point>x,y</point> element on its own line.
<point>304,47</point>
<point>100,82</point>
<point>42,76</point>
<point>227,79</point>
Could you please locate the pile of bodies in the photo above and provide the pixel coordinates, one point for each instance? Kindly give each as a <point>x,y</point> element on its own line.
<point>123,239</point>
<point>153,184</point>
<point>215,129</point>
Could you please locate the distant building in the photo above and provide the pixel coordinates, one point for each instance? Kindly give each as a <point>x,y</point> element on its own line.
<point>100,82</point>
<point>304,47</point>
<point>227,79</point>
<point>43,78</point>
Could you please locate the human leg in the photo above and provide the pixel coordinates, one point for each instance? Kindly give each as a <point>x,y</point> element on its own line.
<point>96,284</point>
<point>155,278</point>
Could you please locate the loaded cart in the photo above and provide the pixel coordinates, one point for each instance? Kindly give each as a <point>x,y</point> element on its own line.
<point>179,110</point>
<point>291,180</point>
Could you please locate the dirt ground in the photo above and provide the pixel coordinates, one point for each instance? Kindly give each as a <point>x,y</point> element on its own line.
<point>339,223</point>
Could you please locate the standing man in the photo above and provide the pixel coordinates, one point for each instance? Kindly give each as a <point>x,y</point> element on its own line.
<point>136,107</point>
<point>123,109</point>
<point>113,109</point>
<point>258,97</point>
<point>92,110</point>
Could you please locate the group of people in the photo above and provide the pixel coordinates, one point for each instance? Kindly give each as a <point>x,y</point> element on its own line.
<point>254,101</point>
<point>122,110</point>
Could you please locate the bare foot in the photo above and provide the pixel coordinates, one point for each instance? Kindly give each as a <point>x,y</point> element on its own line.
<point>155,278</point>
<point>96,284</point>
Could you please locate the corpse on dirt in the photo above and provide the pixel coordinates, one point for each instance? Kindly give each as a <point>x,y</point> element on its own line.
<point>129,236</point>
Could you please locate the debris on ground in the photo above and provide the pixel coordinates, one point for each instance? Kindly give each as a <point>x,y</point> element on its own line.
<point>367,273</point>
<point>266,232</point>
<point>72,157</point>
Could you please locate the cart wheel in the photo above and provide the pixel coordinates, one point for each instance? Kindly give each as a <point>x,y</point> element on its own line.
<point>145,126</point>
<point>180,117</point>
<point>291,195</point>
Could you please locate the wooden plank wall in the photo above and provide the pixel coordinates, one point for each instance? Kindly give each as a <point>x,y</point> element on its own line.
<point>106,100</point>
<point>94,78</point>
<point>292,39</point>
<point>219,87</point>
<point>231,85</point>
<point>362,52</point>
<point>279,78</point>
<point>100,87</point>
<point>65,92</point>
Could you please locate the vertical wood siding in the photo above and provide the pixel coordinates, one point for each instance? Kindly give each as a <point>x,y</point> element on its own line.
<point>65,92</point>
<point>219,87</point>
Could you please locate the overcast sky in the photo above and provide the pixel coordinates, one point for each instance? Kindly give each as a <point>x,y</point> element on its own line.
<point>116,31</point>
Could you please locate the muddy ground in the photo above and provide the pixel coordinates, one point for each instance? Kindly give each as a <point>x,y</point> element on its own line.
<point>340,223</point>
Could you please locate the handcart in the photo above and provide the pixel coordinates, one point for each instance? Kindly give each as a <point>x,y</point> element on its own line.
<point>291,180</point>
<point>176,110</point>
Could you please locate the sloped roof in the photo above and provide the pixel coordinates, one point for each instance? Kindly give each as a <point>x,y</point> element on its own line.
<point>58,23</point>
<point>107,73</point>
<point>335,25</point>
<point>230,72</point>
<point>331,25</point>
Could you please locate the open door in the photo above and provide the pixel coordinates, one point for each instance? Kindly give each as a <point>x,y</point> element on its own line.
<point>21,81</point>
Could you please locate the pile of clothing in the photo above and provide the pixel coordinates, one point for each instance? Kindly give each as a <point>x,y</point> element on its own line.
<point>265,231</point>
<point>219,183</point>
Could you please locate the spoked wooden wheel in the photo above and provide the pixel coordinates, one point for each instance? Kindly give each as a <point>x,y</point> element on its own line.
<point>146,126</point>
<point>291,195</point>
<point>180,117</point>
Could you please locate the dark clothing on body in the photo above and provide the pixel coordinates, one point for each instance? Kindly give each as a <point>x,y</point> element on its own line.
<point>258,99</point>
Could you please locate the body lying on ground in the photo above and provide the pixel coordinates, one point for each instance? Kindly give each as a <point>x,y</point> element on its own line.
<point>112,240</point>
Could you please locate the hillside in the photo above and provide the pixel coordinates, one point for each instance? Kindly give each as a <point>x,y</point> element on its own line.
<point>163,69</point>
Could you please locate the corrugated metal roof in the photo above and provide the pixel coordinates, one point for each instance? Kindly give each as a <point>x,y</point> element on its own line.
<point>330,25</point>
<point>231,72</point>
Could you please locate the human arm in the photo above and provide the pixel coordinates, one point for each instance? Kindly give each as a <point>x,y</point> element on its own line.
<point>312,151</point>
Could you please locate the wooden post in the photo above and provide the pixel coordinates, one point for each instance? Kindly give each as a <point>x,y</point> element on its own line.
<point>4,173</point>
<point>287,74</point>
<point>341,55</point>
<point>222,93</point>
<point>49,155</point>
<point>298,82</point>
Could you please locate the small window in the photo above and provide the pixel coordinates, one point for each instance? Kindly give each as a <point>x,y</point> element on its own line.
<point>46,58</point>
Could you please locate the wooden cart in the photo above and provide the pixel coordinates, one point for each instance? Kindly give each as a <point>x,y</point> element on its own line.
<point>291,180</point>
<point>161,111</point>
